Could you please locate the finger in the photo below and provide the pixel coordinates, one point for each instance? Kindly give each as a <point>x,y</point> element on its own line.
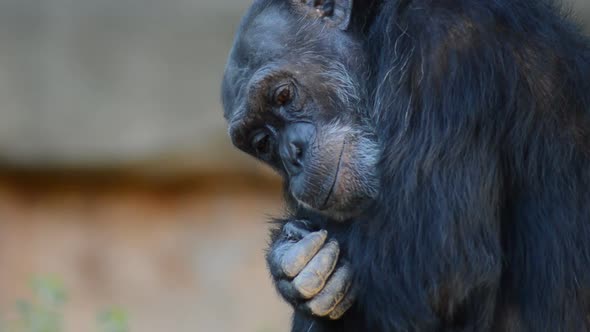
<point>344,305</point>
<point>312,278</point>
<point>332,294</point>
<point>292,232</point>
<point>295,258</point>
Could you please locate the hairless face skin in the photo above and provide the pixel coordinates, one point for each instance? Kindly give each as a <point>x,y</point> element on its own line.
<point>293,101</point>
<point>295,97</point>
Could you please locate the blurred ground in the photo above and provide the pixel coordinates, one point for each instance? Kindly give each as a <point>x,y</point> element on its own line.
<point>184,256</point>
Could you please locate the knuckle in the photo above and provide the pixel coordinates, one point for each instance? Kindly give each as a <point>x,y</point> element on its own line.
<point>324,304</point>
<point>308,285</point>
<point>336,314</point>
<point>332,250</point>
<point>325,261</point>
<point>291,264</point>
<point>317,309</point>
<point>334,244</point>
<point>316,239</point>
<point>342,307</point>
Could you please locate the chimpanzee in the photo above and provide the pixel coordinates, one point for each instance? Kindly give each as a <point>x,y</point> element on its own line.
<point>436,160</point>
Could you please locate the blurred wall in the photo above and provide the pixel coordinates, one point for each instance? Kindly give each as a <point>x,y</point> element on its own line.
<point>89,83</point>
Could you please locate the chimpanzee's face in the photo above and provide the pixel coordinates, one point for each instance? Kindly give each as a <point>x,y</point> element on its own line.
<point>294,97</point>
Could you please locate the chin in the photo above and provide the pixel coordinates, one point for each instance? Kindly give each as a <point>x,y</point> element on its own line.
<point>346,213</point>
<point>339,208</point>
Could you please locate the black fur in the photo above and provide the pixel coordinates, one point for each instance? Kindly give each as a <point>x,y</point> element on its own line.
<point>483,219</point>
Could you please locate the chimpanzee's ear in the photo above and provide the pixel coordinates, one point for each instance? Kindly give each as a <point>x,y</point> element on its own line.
<point>336,12</point>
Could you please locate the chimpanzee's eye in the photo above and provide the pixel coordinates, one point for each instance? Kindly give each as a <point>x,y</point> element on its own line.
<point>262,145</point>
<point>283,95</point>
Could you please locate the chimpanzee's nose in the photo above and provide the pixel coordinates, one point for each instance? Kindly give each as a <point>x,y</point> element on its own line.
<point>296,139</point>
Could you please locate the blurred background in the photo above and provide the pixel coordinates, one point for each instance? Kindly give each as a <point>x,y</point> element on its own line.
<point>116,175</point>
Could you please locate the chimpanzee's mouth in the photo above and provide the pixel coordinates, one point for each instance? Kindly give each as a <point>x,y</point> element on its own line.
<point>322,202</point>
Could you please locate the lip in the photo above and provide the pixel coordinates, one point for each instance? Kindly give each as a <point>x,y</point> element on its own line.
<point>324,206</point>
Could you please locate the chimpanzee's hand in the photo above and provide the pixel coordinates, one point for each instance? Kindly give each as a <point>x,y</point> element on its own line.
<point>307,271</point>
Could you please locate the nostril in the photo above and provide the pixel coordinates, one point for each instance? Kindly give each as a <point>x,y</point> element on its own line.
<point>293,158</point>
<point>294,147</point>
<point>296,154</point>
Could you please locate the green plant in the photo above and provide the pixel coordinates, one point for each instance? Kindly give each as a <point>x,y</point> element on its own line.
<point>113,320</point>
<point>44,312</point>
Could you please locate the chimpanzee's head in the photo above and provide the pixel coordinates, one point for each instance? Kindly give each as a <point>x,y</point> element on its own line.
<point>295,97</point>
